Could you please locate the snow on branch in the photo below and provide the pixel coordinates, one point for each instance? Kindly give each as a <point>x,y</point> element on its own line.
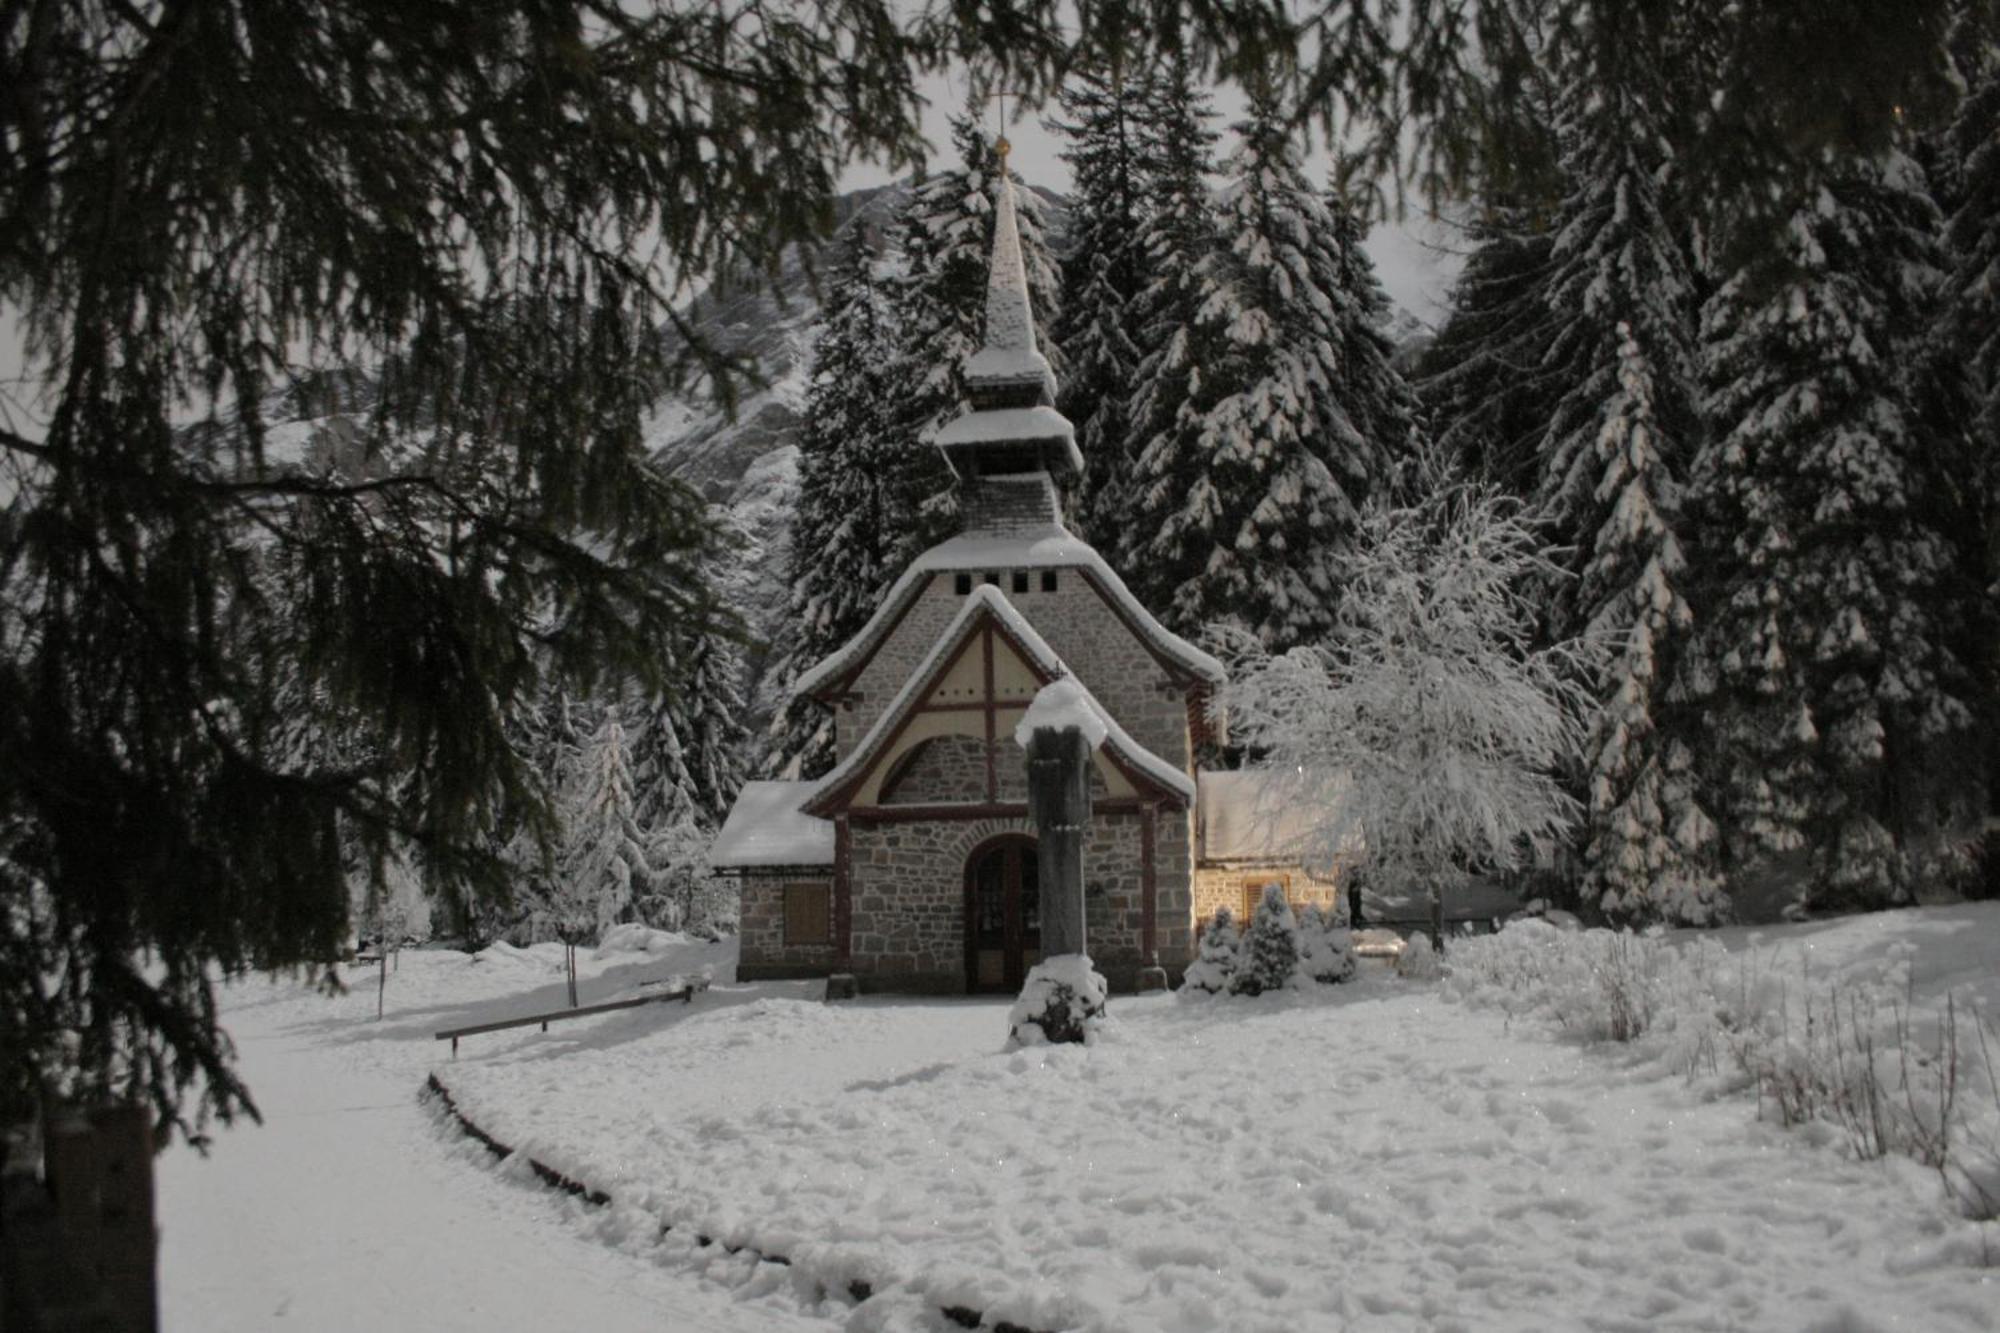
<point>1428,727</point>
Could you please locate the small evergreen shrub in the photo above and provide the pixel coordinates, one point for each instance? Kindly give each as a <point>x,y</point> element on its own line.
<point>1221,951</point>
<point>1326,946</point>
<point>1270,947</point>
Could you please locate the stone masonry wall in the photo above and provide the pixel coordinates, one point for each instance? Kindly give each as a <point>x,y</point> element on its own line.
<point>763,952</point>
<point>1222,886</point>
<point>946,768</point>
<point>953,768</point>
<point>909,899</point>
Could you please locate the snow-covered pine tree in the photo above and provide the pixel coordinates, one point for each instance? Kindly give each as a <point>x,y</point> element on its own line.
<point>1176,239</point>
<point>1610,472</point>
<point>1326,946</point>
<point>1270,946</point>
<point>845,523</point>
<point>1379,398</point>
<point>1104,274</point>
<point>1824,667</point>
<point>604,852</point>
<point>1968,349</point>
<point>1246,493</point>
<point>687,759</point>
<point>1214,970</point>
<point>1482,381</point>
<point>938,313</point>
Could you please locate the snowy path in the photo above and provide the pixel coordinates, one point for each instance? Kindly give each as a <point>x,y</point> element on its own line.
<point>351,1207</point>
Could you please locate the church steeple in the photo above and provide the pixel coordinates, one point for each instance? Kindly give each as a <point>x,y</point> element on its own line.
<point>1012,427</point>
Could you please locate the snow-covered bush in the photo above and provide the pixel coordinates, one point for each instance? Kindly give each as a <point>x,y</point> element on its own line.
<point>1270,947</point>
<point>1221,952</point>
<point>1855,1053</point>
<point>1326,947</point>
<point>1418,961</point>
<point>1061,1001</point>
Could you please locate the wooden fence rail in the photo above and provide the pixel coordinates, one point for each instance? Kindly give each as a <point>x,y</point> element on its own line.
<point>685,993</point>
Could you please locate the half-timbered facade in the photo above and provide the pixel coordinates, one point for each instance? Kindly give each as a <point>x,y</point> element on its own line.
<point>911,864</point>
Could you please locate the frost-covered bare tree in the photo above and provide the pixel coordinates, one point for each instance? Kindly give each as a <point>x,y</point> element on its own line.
<point>1427,732</point>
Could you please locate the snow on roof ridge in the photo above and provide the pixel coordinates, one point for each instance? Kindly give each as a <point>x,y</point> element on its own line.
<point>989,598</point>
<point>1050,545</point>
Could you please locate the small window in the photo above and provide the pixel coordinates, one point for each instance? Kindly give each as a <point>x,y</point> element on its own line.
<point>1048,580</point>
<point>993,577</point>
<point>1253,893</point>
<point>1020,580</point>
<point>808,914</point>
<point>964,585</point>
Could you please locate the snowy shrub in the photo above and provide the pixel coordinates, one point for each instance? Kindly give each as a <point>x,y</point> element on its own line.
<point>1221,953</point>
<point>1418,961</point>
<point>1326,947</point>
<point>1061,1001</point>
<point>1270,956</point>
<point>1856,1054</point>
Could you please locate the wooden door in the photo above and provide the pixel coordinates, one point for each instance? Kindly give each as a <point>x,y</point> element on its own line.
<point>1003,915</point>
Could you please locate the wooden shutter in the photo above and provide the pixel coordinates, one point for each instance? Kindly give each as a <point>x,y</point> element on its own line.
<point>808,914</point>
<point>1253,893</point>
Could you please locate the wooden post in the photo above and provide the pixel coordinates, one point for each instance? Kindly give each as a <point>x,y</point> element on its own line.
<point>1059,803</point>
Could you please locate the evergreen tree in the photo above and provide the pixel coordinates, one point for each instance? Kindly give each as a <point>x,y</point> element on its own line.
<point>1967,355</point>
<point>1484,384</point>
<point>939,315</point>
<point>1213,972</point>
<point>1483,381</point>
<point>1270,946</point>
<point>1247,492</point>
<point>1611,465</point>
<point>1176,240</point>
<point>1326,946</point>
<point>1104,275</point>
<point>843,529</point>
<point>1824,667</point>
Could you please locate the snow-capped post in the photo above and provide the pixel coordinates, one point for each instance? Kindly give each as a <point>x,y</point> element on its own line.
<point>1063,994</point>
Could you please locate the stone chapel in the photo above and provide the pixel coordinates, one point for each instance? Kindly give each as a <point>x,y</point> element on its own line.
<point>911,864</point>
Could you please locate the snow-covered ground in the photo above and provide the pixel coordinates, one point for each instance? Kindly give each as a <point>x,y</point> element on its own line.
<point>353,1206</point>
<point>1372,1156</point>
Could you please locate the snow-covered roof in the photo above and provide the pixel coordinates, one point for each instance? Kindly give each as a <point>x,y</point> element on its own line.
<point>766,827</point>
<point>1252,815</point>
<point>1000,424</point>
<point>1048,547</point>
<point>984,601</point>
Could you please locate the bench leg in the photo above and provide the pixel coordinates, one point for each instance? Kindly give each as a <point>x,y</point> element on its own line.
<point>454,1048</point>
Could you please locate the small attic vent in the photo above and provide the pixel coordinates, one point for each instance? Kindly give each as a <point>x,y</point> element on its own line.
<point>963,584</point>
<point>1020,580</point>
<point>1048,580</point>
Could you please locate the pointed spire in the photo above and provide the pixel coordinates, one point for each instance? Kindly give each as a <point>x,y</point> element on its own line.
<point>1009,355</point>
<point>1013,427</point>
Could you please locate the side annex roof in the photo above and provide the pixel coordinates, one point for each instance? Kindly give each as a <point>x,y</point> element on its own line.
<point>1050,546</point>
<point>987,602</point>
<point>766,829</point>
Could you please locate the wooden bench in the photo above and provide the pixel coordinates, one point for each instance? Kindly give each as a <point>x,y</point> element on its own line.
<point>684,992</point>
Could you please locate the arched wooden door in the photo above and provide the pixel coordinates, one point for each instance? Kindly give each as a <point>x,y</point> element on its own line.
<point>1003,914</point>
